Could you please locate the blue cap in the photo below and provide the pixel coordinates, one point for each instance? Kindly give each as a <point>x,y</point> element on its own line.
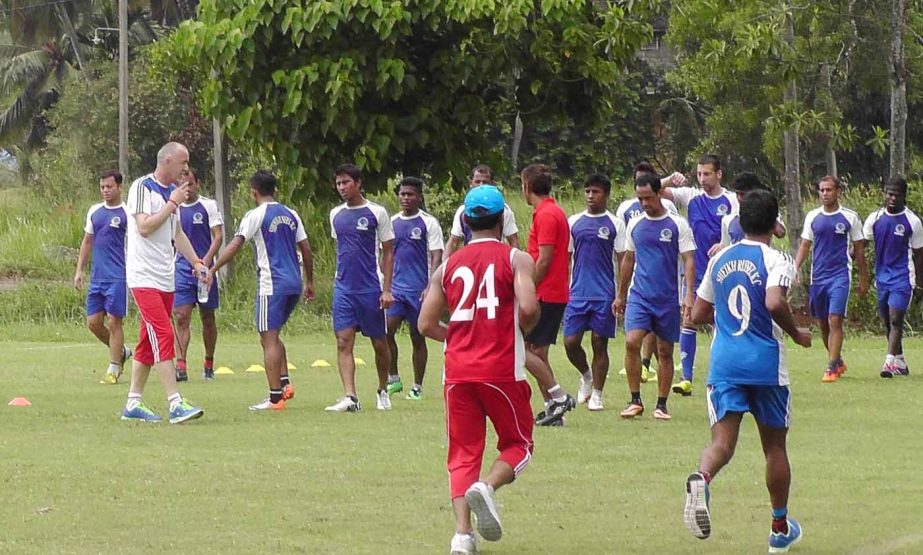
<point>484,200</point>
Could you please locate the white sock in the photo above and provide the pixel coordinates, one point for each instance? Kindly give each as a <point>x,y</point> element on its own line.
<point>174,400</point>
<point>113,368</point>
<point>899,357</point>
<point>889,359</point>
<point>597,392</point>
<point>394,378</point>
<point>134,399</point>
<point>557,393</point>
<point>588,376</point>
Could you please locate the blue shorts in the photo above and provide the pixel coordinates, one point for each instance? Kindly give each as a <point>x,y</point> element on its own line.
<point>596,316</point>
<point>272,311</point>
<point>188,293</point>
<point>359,311</point>
<point>770,405</point>
<point>111,298</point>
<point>898,299</point>
<point>663,320</point>
<point>829,298</point>
<point>406,306</point>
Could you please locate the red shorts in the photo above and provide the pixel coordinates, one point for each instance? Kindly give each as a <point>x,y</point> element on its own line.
<point>508,406</point>
<point>155,340</point>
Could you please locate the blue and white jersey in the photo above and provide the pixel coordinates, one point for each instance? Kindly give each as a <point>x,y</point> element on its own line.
<point>275,231</point>
<point>748,346</point>
<point>704,213</point>
<point>895,237</point>
<point>657,244</point>
<point>833,234</point>
<point>594,240</point>
<point>460,228</point>
<point>732,233</point>
<point>107,225</point>
<point>359,232</point>
<point>149,262</point>
<point>197,220</point>
<point>630,209</point>
<point>414,238</point>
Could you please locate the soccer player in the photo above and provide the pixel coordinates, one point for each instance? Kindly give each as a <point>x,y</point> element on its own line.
<point>834,231</point>
<point>460,234</point>
<point>549,239</point>
<point>898,237</point>
<point>361,229</point>
<point>655,242</point>
<point>705,206</point>
<point>278,237</point>
<point>202,223</point>
<point>731,232</point>
<point>153,232</point>
<point>487,288</point>
<point>743,292</point>
<point>104,234</point>
<point>597,238</point>
<point>417,252</point>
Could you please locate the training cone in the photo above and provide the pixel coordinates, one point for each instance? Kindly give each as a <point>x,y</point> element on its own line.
<point>292,366</point>
<point>254,368</point>
<point>320,363</point>
<point>223,370</point>
<point>359,362</point>
<point>19,402</point>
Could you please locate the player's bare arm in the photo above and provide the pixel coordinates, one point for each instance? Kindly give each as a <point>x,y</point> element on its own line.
<point>184,247</point>
<point>226,256</point>
<point>451,246</point>
<point>777,304</point>
<point>149,223</point>
<point>434,303</point>
<point>217,236</point>
<point>626,270</point>
<point>858,253</point>
<point>703,312</point>
<point>82,257</point>
<point>513,240</point>
<point>307,262</point>
<point>387,271</point>
<point>918,266</point>
<point>689,265</point>
<point>675,179</point>
<point>435,260</point>
<point>804,249</point>
<point>778,229</point>
<point>543,264</point>
<point>524,288</point>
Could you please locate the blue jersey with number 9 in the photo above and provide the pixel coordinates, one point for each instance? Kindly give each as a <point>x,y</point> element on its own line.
<point>748,347</point>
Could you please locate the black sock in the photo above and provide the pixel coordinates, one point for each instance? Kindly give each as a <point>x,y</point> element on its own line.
<point>646,363</point>
<point>354,398</point>
<point>275,396</point>
<point>662,402</point>
<point>286,381</point>
<point>636,397</point>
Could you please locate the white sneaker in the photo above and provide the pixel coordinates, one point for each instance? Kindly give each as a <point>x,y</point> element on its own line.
<point>464,544</point>
<point>480,498</point>
<point>383,400</point>
<point>344,405</point>
<point>584,391</point>
<point>596,402</point>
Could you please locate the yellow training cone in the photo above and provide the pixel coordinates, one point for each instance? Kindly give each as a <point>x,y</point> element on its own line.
<point>292,366</point>
<point>256,368</point>
<point>359,362</point>
<point>320,363</point>
<point>223,370</point>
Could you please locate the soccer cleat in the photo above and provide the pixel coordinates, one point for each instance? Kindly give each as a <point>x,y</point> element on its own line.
<point>266,404</point>
<point>901,366</point>
<point>830,376</point>
<point>464,544</point>
<point>181,375</point>
<point>414,395</point>
<point>889,370</point>
<point>183,412</point>
<point>595,403</point>
<point>781,543</point>
<point>696,514</point>
<point>141,414</point>
<point>632,410</point>
<point>110,379</point>
<point>556,410</point>
<point>288,392</point>
<point>395,387</point>
<point>480,498</point>
<point>661,413</point>
<point>208,373</point>
<point>346,404</point>
<point>584,390</point>
<point>840,368</point>
<point>683,388</point>
<point>383,400</point>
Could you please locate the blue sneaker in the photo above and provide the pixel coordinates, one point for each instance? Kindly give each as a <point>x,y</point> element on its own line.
<point>780,543</point>
<point>140,413</point>
<point>183,412</point>
<point>696,514</point>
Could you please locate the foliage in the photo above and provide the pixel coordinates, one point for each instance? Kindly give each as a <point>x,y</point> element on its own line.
<point>403,87</point>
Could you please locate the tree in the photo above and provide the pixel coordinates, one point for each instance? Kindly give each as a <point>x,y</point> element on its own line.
<point>397,86</point>
<point>898,81</point>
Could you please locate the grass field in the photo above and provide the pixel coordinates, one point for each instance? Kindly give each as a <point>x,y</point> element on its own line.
<point>75,479</point>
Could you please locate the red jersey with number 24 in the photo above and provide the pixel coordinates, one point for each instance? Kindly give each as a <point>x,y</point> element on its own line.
<point>483,342</point>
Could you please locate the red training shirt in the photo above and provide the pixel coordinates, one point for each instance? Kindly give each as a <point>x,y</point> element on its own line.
<point>549,227</point>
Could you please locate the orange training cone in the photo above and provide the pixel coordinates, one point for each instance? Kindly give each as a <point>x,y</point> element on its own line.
<point>20,402</point>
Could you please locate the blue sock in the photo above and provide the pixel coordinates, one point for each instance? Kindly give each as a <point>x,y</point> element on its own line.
<point>779,513</point>
<point>687,351</point>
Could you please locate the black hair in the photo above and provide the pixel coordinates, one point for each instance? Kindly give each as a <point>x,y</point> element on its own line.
<point>194,174</point>
<point>897,182</point>
<point>114,174</point>
<point>746,181</point>
<point>263,183</point>
<point>648,180</point>
<point>710,159</point>
<point>759,212</point>
<point>483,222</point>
<point>644,167</point>
<point>598,179</point>
<point>833,179</point>
<point>538,177</point>
<point>483,168</point>
<point>349,169</point>
<point>410,181</point>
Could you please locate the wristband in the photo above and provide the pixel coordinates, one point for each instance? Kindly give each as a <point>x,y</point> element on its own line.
<point>173,201</point>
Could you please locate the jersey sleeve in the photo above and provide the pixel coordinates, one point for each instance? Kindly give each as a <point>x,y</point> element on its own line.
<point>333,215</point>
<point>916,232</point>
<point>629,243</point>
<point>682,195</point>
<point>868,230</point>
<point>301,233</point>
<point>620,234</point>
<point>781,270</point>
<point>434,234</point>
<point>509,222</point>
<point>686,242</point>
<point>456,230</point>
<point>385,229</point>
<point>706,290</point>
<point>670,206</point>
<point>807,233</point>
<point>215,218</point>
<point>570,235</point>
<point>249,225</point>
<point>88,226</point>
<point>725,231</point>
<point>139,199</point>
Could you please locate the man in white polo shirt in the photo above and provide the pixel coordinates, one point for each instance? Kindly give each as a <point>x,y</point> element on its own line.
<point>153,230</point>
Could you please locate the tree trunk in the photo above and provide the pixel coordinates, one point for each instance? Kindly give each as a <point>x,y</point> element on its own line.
<point>829,107</point>
<point>898,80</point>
<point>517,141</point>
<point>123,87</point>
<point>71,34</point>
<point>791,148</point>
<point>222,192</point>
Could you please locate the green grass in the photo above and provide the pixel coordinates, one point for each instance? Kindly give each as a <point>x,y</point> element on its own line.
<point>75,479</point>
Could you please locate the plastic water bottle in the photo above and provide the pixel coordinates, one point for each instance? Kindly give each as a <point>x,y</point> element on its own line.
<point>202,288</point>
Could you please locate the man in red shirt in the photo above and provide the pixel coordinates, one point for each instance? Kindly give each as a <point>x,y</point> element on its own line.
<point>488,290</point>
<point>549,238</point>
